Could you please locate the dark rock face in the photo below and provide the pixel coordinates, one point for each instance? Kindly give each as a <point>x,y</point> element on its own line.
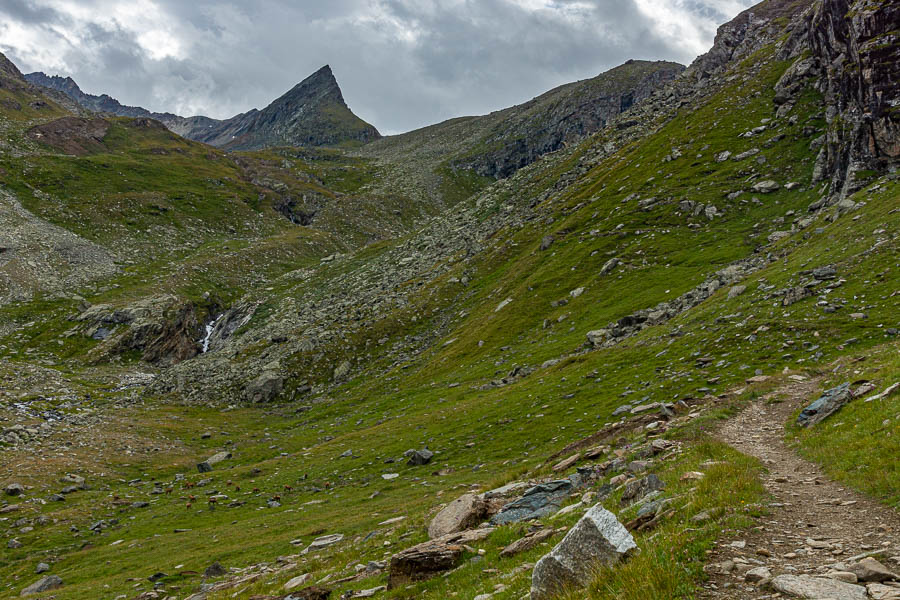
<point>162,328</point>
<point>745,34</point>
<point>170,339</point>
<point>521,134</point>
<point>857,49</point>
<point>312,113</point>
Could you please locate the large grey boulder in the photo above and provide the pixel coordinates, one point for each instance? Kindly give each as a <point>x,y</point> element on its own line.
<point>816,588</point>
<point>870,570</point>
<point>829,403</point>
<point>597,539</point>
<point>463,513</point>
<point>418,458</point>
<point>766,187</point>
<point>51,582</point>
<point>430,558</point>
<point>323,542</point>
<point>14,489</point>
<point>207,465</point>
<point>264,388</point>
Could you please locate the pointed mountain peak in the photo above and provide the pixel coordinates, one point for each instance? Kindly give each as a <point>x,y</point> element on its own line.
<point>312,113</point>
<point>324,71</point>
<point>321,83</point>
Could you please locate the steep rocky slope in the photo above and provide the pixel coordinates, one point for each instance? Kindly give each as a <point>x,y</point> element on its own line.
<point>564,339</point>
<point>312,113</point>
<point>493,146</point>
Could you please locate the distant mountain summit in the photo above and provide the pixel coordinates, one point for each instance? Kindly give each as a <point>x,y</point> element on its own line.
<point>312,113</point>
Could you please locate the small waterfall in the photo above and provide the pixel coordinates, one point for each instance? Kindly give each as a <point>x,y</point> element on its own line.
<point>204,343</point>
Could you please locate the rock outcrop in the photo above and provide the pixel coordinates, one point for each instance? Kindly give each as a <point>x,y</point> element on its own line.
<point>72,135</point>
<point>429,558</point>
<point>829,403</point>
<point>519,135</point>
<point>597,539</point>
<point>463,513</point>
<point>855,57</point>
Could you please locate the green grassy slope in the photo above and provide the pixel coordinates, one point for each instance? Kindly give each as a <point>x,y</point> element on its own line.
<point>486,434</point>
<point>498,389</point>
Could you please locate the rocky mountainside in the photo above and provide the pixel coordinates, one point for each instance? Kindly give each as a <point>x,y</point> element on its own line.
<point>481,149</point>
<point>515,137</point>
<point>312,113</point>
<point>9,71</point>
<point>659,361</point>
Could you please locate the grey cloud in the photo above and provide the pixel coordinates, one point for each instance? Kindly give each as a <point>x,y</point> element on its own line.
<point>26,11</point>
<point>401,63</point>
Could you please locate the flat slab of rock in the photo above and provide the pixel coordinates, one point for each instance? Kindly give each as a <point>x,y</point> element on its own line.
<point>207,465</point>
<point>566,463</point>
<point>51,582</point>
<point>880,591</point>
<point>465,512</point>
<point>507,490</point>
<point>427,559</point>
<point>539,501</point>
<point>323,542</point>
<point>829,403</point>
<point>597,539</point>
<point>296,582</point>
<point>527,543</point>
<point>870,570</point>
<point>817,588</point>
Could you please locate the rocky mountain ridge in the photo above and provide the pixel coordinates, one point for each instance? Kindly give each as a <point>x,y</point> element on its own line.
<point>519,135</point>
<point>312,113</point>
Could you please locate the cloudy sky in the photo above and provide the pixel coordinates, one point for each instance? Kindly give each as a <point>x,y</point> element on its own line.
<point>400,63</point>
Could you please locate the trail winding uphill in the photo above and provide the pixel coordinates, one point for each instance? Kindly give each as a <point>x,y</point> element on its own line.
<point>817,533</point>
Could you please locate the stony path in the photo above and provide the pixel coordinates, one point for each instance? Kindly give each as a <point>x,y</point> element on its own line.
<point>815,525</point>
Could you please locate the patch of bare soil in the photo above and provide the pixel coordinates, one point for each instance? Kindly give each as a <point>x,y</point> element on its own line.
<point>72,135</point>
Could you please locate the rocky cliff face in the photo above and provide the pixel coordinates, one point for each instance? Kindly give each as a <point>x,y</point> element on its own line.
<point>312,113</point>
<point>856,54</point>
<point>98,104</point>
<point>517,136</point>
<point>850,52</point>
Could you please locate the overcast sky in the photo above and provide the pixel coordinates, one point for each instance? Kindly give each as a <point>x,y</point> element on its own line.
<point>401,64</point>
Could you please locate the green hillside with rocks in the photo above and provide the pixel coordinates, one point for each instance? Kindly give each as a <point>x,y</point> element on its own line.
<point>650,356</point>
